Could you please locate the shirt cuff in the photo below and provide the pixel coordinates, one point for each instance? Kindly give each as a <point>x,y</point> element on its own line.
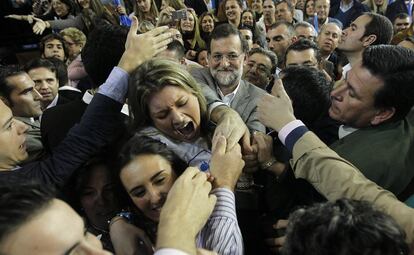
<point>169,251</point>
<point>116,86</point>
<point>213,106</point>
<point>291,133</point>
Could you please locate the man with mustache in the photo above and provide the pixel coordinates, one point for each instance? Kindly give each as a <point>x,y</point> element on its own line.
<point>227,52</point>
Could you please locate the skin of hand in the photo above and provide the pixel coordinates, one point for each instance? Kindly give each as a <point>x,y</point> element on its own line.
<point>190,54</point>
<point>250,160</point>
<point>275,110</point>
<point>121,10</point>
<point>39,27</point>
<point>143,47</point>
<point>265,152</point>
<point>205,252</point>
<point>125,236</point>
<point>188,206</point>
<point>28,18</point>
<point>225,165</point>
<point>232,127</point>
<point>275,244</point>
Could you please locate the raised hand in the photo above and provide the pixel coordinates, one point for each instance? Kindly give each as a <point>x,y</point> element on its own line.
<point>143,47</point>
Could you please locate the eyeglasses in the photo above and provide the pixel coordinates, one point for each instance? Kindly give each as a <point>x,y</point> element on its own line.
<point>260,68</point>
<point>229,57</point>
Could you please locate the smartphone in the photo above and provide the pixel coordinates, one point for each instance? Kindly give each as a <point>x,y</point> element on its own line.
<point>180,14</point>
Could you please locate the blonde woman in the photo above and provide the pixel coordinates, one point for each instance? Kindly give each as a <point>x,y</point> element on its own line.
<point>189,28</point>
<point>377,6</point>
<point>146,10</point>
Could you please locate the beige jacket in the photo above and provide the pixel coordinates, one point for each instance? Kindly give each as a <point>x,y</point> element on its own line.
<point>335,178</point>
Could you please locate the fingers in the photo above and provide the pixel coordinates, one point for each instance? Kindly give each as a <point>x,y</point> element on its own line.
<point>189,173</point>
<point>278,90</point>
<point>219,145</point>
<point>245,141</point>
<point>201,251</point>
<point>134,26</point>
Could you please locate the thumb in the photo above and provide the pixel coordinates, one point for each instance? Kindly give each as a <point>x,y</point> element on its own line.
<point>134,26</point>
<point>219,145</point>
<point>278,90</point>
<point>37,19</point>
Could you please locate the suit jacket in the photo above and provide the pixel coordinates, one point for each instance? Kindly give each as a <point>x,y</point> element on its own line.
<point>337,178</point>
<point>58,120</point>
<point>96,129</point>
<point>384,154</point>
<point>34,146</point>
<point>244,102</point>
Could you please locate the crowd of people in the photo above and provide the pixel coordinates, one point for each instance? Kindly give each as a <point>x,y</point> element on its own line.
<point>209,127</point>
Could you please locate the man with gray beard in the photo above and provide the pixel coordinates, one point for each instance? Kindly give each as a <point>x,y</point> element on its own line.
<point>227,52</point>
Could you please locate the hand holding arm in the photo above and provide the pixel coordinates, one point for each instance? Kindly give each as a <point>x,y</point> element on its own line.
<point>231,126</point>
<point>188,206</point>
<point>226,166</point>
<point>40,26</point>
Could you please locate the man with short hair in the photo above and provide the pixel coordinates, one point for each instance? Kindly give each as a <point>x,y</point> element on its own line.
<point>17,92</point>
<point>53,45</point>
<point>284,11</point>
<point>33,221</point>
<point>372,102</point>
<point>328,39</point>
<point>306,53</point>
<point>304,30</point>
<point>279,36</point>
<point>227,54</point>
<point>269,17</point>
<point>401,22</point>
<point>259,67</point>
<point>247,35</point>
<point>368,29</point>
<point>322,8</point>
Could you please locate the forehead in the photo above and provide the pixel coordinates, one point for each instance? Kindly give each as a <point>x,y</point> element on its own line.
<point>53,230</point>
<point>231,43</point>
<point>294,55</point>
<point>331,28</point>
<point>260,59</point>
<point>364,82</point>
<point>304,30</point>
<point>53,42</point>
<point>20,82</point>
<point>207,18</point>
<point>5,113</point>
<point>362,21</point>
<point>322,2</point>
<point>41,72</point>
<point>402,20</point>
<point>166,97</point>
<point>268,2</point>
<point>142,168</point>
<point>231,3</point>
<point>279,30</point>
<point>282,5</point>
<point>247,14</point>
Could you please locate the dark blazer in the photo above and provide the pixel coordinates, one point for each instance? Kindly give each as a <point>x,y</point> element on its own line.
<point>58,120</point>
<point>95,130</point>
<point>356,11</point>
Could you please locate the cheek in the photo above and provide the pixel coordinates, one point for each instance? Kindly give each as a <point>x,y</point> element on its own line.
<point>139,202</point>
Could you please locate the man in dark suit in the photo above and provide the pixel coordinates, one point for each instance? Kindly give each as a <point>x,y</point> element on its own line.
<point>306,53</point>
<point>45,76</point>
<point>103,49</point>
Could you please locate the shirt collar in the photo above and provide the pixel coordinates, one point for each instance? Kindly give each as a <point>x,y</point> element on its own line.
<point>227,99</point>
